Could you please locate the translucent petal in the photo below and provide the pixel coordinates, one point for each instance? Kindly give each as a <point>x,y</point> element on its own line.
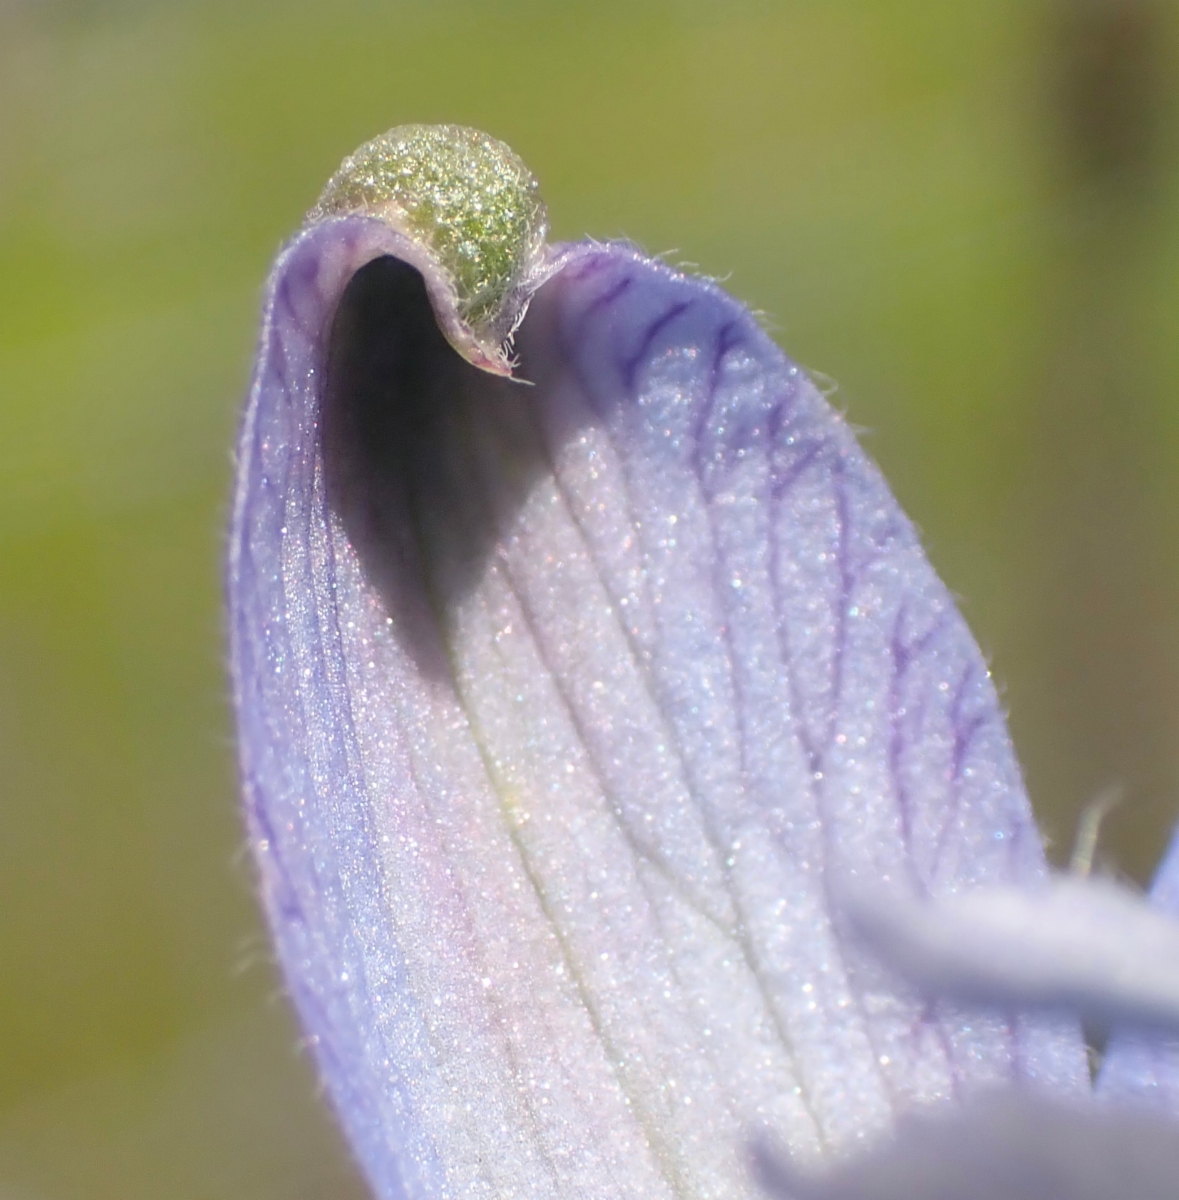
<point>562,706</point>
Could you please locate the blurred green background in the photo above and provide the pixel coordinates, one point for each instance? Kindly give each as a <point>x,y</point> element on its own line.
<point>966,213</point>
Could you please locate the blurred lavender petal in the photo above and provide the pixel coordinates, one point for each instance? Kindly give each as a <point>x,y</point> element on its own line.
<point>1142,1069</point>
<point>1082,945</point>
<point>562,706</point>
<point>1005,1146</point>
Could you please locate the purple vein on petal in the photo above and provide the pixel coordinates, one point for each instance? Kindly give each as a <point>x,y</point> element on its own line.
<point>959,635</point>
<point>562,708</point>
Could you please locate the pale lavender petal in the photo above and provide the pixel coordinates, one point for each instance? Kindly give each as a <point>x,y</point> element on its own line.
<point>562,709</point>
<point>1007,1146</point>
<point>1142,1068</point>
<point>1077,944</point>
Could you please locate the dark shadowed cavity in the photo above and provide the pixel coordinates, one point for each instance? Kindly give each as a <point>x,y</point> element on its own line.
<point>427,458</point>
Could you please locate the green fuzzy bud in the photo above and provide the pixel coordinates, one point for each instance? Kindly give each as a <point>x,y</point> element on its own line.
<point>463,196</point>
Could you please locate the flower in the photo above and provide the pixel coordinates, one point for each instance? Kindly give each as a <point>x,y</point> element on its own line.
<point>583,697</point>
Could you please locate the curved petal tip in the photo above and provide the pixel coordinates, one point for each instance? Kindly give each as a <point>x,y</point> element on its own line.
<point>472,208</point>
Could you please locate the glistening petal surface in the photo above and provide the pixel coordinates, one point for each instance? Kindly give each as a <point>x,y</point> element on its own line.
<point>563,708</point>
